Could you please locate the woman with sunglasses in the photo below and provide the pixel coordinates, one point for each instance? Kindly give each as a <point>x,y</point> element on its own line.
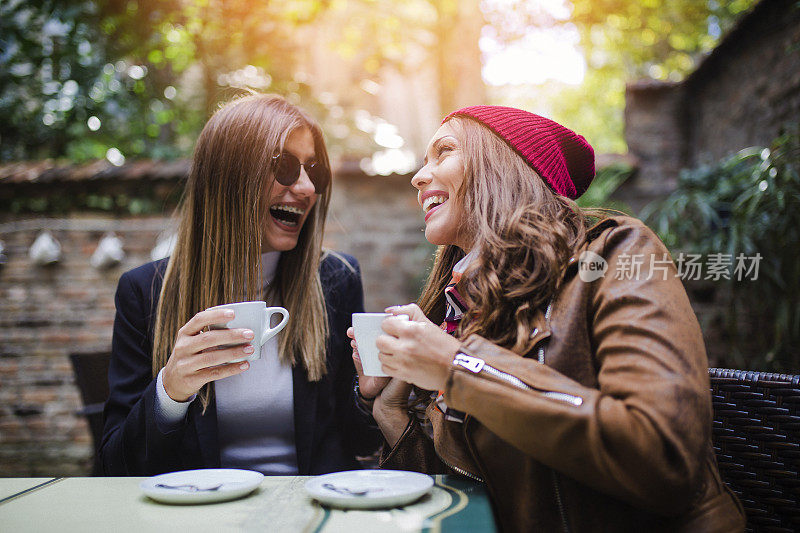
<point>251,225</point>
<point>574,381</point>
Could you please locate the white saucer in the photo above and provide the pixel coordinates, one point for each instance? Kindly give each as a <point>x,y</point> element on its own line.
<point>382,488</point>
<point>231,484</point>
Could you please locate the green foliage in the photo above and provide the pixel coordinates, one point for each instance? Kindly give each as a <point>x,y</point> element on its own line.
<point>93,79</point>
<point>747,204</point>
<point>659,39</point>
<point>622,41</point>
<point>150,73</point>
<point>72,86</point>
<point>605,183</point>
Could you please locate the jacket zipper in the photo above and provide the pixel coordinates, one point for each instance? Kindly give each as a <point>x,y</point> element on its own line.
<point>560,502</point>
<point>477,365</point>
<point>547,321</point>
<point>457,469</point>
<point>556,484</point>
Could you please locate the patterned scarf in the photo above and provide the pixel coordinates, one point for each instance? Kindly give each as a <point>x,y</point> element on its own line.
<point>454,312</point>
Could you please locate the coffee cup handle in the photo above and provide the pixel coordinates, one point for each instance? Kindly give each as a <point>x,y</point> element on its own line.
<point>270,332</point>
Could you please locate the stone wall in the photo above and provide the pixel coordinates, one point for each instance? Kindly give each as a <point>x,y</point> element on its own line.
<point>742,94</point>
<point>46,313</point>
<point>749,88</point>
<point>656,138</point>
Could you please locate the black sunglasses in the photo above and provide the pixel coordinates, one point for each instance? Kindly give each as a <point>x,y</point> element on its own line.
<point>286,168</point>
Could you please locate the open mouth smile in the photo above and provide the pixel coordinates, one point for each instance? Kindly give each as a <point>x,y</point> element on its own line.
<point>287,215</point>
<point>432,201</point>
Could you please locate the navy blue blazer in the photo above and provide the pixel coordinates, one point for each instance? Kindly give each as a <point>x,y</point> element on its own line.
<point>329,429</point>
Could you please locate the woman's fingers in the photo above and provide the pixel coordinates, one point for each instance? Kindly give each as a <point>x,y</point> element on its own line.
<point>201,355</point>
<point>357,363</point>
<point>370,386</point>
<point>221,357</point>
<point>411,310</point>
<point>214,373</point>
<point>395,326</point>
<point>182,378</point>
<point>215,338</point>
<point>417,352</point>
<point>387,344</point>
<point>388,364</point>
<point>204,319</point>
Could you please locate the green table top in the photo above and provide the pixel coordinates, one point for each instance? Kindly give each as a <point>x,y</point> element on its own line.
<point>279,504</point>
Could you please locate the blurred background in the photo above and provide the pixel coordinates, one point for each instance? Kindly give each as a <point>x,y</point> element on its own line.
<point>692,107</point>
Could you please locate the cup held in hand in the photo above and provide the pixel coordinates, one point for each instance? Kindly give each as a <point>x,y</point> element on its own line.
<point>367,327</point>
<point>257,317</point>
<point>270,332</point>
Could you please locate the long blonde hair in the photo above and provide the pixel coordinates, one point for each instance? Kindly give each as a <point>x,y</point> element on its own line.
<point>217,256</point>
<point>525,235</point>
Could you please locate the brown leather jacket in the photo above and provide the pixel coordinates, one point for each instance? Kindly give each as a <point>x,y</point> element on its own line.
<point>606,424</point>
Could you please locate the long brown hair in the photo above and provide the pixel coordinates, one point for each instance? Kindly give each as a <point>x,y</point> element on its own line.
<point>524,234</point>
<point>217,256</point>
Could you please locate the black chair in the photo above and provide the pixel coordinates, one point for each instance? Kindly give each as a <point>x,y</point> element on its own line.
<point>91,377</point>
<point>756,436</point>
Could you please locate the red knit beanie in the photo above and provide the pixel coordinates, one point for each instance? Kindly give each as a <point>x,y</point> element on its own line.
<point>559,155</point>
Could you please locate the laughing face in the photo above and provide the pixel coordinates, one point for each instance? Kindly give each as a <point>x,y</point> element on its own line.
<point>290,206</point>
<point>438,181</point>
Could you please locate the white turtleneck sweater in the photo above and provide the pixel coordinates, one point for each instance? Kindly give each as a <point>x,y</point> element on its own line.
<point>255,409</point>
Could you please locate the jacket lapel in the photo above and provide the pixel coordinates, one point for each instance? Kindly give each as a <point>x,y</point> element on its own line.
<point>305,415</point>
<point>207,432</point>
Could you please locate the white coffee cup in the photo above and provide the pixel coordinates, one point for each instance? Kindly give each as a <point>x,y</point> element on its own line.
<point>367,327</point>
<point>257,317</point>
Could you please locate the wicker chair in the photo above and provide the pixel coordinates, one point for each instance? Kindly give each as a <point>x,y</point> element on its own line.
<point>91,377</point>
<point>756,436</point>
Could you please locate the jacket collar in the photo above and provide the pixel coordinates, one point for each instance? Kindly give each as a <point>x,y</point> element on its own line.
<point>591,234</point>
<point>541,320</point>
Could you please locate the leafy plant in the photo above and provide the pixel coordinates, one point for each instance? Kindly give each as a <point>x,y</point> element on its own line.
<point>93,79</point>
<point>605,183</point>
<point>621,41</point>
<point>746,204</point>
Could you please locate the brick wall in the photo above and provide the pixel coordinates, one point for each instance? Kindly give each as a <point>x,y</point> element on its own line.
<point>743,94</point>
<point>48,312</point>
<point>656,138</point>
<point>749,88</point>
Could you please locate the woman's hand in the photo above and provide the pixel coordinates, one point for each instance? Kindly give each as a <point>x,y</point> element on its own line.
<point>197,359</point>
<point>390,410</point>
<point>390,406</point>
<point>393,399</point>
<point>370,386</point>
<point>416,351</point>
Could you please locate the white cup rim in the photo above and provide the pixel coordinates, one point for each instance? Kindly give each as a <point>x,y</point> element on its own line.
<point>221,306</point>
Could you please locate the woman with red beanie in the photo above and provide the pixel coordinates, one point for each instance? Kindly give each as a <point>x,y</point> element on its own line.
<point>554,349</point>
